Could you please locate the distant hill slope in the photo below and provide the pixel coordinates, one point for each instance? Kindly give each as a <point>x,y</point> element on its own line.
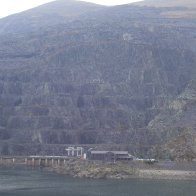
<point>169,3</point>
<point>122,77</point>
<point>189,6</point>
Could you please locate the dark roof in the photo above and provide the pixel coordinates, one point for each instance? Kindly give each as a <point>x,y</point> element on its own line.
<point>114,152</point>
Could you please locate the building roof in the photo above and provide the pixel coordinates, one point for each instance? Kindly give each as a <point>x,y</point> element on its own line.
<point>114,152</point>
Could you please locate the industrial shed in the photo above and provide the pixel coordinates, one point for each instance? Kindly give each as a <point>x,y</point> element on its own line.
<point>109,155</point>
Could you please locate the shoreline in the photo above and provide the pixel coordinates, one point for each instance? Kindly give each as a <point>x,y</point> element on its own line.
<point>167,174</point>
<point>78,168</point>
<point>142,174</point>
<point>83,169</point>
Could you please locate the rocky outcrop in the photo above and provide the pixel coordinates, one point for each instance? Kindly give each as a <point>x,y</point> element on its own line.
<point>95,75</point>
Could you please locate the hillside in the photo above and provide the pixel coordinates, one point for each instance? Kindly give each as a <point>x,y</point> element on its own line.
<point>121,77</point>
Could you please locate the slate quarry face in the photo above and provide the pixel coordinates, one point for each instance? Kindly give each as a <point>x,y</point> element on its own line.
<point>123,76</point>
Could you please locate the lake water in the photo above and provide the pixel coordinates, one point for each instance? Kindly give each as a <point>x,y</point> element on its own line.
<point>29,182</point>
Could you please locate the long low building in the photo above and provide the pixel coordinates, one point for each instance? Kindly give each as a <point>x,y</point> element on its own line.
<point>109,155</point>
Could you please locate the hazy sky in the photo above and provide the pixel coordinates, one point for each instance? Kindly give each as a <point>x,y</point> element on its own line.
<point>8,7</point>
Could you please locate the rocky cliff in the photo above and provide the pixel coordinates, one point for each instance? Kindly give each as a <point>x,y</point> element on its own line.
<point>78,73</point>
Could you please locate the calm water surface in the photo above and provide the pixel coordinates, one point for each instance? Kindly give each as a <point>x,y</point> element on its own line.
<point>27,182</point>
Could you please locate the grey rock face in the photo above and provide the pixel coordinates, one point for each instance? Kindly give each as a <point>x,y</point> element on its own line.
<point>121,75</point>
